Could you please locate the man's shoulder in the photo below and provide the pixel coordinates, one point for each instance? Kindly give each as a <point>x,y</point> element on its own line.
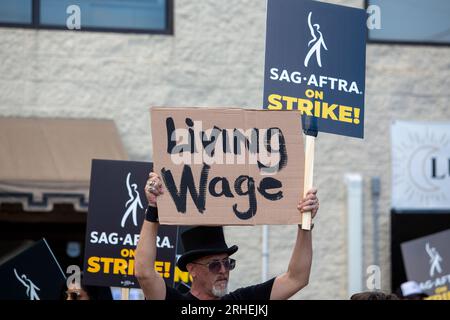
<point>174,294</point>
<point>260,291</point>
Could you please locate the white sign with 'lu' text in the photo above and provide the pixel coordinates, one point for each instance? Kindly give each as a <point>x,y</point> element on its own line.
<point>420,165</point>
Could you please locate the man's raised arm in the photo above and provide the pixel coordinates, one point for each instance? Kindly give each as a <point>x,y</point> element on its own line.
<point>297,275</point>
<point>152,284</point>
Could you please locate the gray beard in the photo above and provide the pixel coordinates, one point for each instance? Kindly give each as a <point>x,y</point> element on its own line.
<point>218,292</point>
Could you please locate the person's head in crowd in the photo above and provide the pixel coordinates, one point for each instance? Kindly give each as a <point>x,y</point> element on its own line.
<point>411,290</point>
<point>208,262</point>
<point>77,291</point>
<point>374,295</point>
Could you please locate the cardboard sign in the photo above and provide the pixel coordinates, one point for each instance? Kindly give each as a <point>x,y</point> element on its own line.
<point>420,165</point>
<point>427,261</point>
<point>228,166</point>
<point>117,206</point>
<point>34,274</point>
<point>315,63</point>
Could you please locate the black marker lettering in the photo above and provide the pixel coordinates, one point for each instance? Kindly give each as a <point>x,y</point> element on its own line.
<point>226,191</point>
<point>270,183</point>
<point>251,197</point>
<point>187,183</point>
<point>170,127</point>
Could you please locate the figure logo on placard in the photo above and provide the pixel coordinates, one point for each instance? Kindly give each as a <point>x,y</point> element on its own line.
<point>31,287</point>
<point>317,39</point>
<point>132,203</point>
<point>435,259</point>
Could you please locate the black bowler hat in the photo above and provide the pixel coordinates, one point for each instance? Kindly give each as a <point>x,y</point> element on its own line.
<point>202,241</point>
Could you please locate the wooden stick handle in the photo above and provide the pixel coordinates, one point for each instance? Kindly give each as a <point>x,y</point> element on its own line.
<point>308,183</point>
<point>125,293</point>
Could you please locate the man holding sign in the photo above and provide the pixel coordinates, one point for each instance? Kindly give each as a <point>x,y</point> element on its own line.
<point>207,259</point>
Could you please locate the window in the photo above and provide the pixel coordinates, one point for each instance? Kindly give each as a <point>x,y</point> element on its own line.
<point>138,16</point>
<point>412,21</point>
<point>16,11</point>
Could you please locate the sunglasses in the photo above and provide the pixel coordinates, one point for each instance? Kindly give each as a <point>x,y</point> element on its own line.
<point>216,265</point>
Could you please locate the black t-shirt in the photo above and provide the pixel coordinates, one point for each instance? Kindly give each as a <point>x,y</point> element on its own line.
<point>260,291</point>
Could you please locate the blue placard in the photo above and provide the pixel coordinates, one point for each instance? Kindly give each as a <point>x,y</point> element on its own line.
<point>315,63</point>
<point>117,204</point>
<point>33,274</point>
